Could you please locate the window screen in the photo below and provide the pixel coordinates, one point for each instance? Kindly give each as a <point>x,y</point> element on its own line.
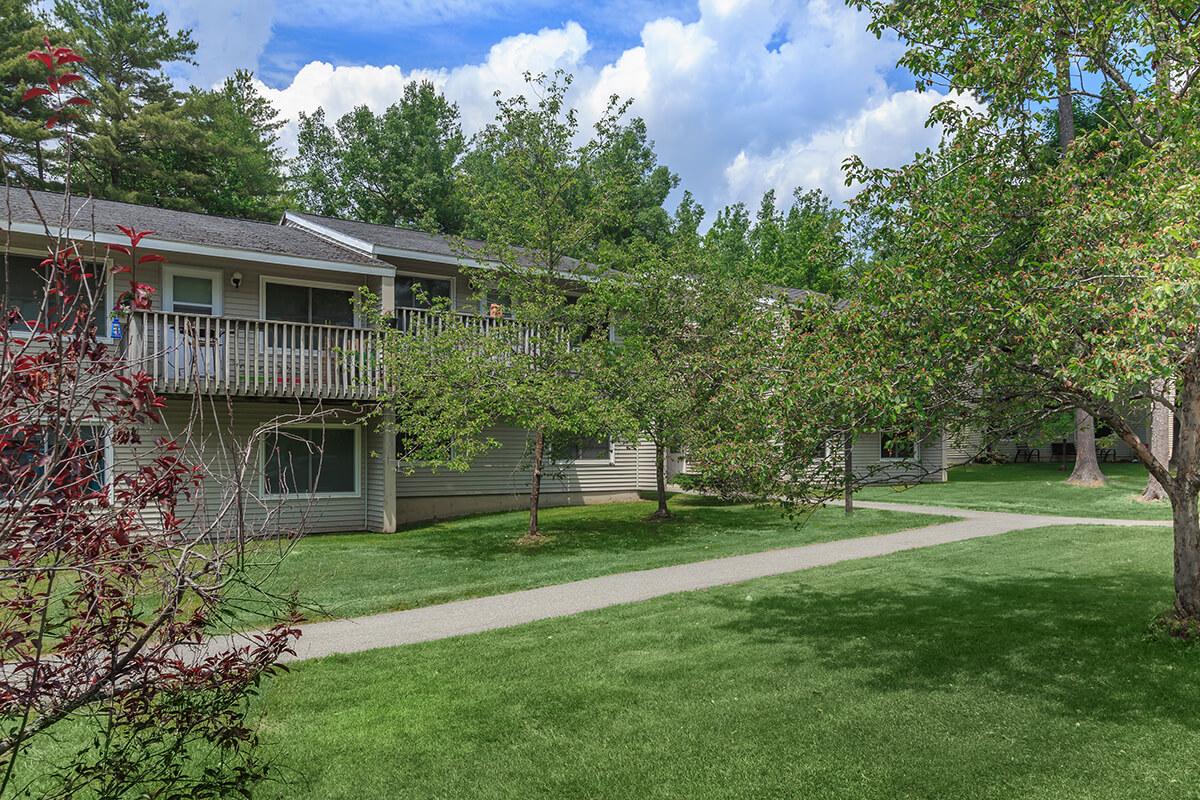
<point>83,458</point>
<point>311,461</point>
<point>897,445</point>
<point>192,295</point>
<point>412,292</point>
<point>26,286</point>
<point>289,302</point>
<point>593,449</point>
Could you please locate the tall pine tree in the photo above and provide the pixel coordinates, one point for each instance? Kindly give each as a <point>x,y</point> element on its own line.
<point>22,124</point>
<point>135,110</point>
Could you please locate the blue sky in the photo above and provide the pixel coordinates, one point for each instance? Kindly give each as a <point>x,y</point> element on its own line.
<point>739,95</point>
<point>447,38</point>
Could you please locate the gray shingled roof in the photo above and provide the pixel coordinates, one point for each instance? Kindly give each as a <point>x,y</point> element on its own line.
<point>378,239</point>
<point>103,217</point>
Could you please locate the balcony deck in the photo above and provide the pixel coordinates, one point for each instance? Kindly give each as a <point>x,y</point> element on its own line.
<point>194,353</point>
<point>199,354</point>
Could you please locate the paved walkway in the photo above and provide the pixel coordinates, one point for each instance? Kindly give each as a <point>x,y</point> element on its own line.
<point>517,608</point>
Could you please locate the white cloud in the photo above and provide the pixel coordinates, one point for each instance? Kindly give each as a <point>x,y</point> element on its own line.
<point>231,34</point>
<point>339,89</point>
<point>885,134</point>
<point>753,94</point>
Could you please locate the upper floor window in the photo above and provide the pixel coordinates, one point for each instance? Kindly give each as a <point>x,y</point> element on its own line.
<point>189,290</point>
<point>24,289</point>
<point>422,292</point>
<point>318,304</point>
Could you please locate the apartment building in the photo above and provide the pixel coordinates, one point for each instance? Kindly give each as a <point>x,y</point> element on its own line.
<point>252,323</point>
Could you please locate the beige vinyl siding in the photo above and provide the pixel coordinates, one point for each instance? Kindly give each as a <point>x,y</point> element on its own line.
<point>926,467</point>
<point>245,302</point>
<point>962,447</point>
<point>506,470</point>
<point>644,467</point>
<point>374,498</point>
<point>216,438</point>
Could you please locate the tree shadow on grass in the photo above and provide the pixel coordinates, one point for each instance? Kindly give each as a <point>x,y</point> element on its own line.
<point>616,529</point>
<point>1076,644</point>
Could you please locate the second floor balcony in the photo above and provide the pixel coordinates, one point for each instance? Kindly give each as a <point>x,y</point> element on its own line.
<point>202,354</point>
<point>196,353</point>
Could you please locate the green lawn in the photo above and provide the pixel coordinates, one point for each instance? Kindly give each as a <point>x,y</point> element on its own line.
<point>355,574</point>
<point>1032,488</point>
<point>1015,666</point>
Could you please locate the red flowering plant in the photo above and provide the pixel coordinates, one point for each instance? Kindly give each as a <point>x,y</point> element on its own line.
<point>110,582</point>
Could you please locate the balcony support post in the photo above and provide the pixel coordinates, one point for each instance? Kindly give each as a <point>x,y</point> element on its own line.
<point>387,300</point>
<point>389,473</point>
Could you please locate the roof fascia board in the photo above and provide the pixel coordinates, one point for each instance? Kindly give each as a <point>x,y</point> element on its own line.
<point>191,248</point>
<point>386,251</point>
<point>344,239</point>
<point>490,264</point>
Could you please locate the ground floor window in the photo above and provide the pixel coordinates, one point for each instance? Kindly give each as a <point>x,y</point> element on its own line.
<point>590,449</point>
<point>80,455</point>
<point>898,446</point>
<point>312,460</point>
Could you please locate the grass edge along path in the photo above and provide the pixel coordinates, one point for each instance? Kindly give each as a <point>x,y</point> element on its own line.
<point>1011,666</point>
<point>1031,489</point>
<point>350,575</point>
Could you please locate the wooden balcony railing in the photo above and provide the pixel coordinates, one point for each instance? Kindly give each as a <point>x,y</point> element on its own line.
<point>521,337</point>
<point>186,353</point>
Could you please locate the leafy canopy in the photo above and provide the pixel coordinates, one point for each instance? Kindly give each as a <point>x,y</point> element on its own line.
<point>395,168</point>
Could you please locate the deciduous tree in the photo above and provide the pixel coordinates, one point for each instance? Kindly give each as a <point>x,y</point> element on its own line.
<point>532,357</point>
<point>802,247</point>
<point>1007,286</point>
<point>683,331</point>
<point>395,168</point>
<point>110,580</point>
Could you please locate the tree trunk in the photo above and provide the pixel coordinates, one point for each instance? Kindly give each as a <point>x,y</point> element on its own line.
<point>1066,104</point>
<point>848,473</point>
<point>534,534</point>
<point>1183,496</point>
<point>1087,467</point>
<point>660,474</point>
<point>1162,432</point>
<point>1187,554</point>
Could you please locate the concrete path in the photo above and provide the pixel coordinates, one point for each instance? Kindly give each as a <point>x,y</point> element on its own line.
<point>517,608</point>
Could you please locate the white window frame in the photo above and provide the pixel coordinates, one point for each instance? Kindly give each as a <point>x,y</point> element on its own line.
<point>217,276</point>
<point>106,429</point>
<point>104,335</point>
<point>263,280</point>
<point>610,461</point>
<point>406,273</point>
<point>358,459</point>
<point>916,454</point>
